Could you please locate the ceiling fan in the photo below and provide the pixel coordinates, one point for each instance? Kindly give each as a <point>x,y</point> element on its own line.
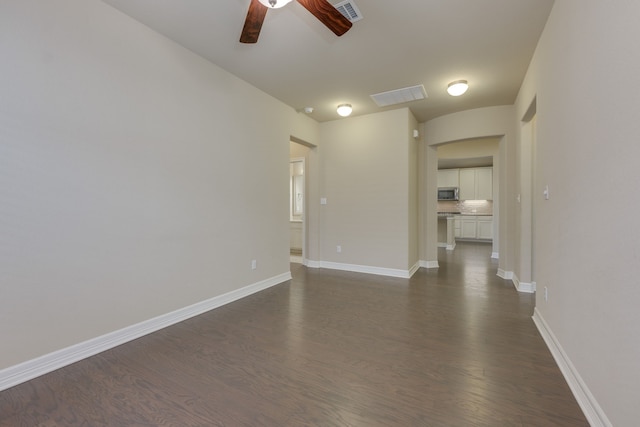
<point>321,9</point>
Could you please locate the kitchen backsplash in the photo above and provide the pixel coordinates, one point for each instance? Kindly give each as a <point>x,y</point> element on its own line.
<point>467,206</point>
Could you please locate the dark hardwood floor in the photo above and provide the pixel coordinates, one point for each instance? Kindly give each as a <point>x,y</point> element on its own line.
<point>453,346</point>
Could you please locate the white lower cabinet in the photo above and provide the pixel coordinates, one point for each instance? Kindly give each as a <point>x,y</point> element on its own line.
<point>485,227</point>
<point>468,228</point>
<point>473,227</point>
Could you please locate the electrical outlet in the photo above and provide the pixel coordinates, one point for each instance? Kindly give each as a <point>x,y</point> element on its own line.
<point>254,264</point>
<point>546,293</point>
<point>338,248</point>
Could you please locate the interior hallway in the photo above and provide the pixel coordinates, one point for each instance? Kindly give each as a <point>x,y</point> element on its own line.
<point>453,346</point>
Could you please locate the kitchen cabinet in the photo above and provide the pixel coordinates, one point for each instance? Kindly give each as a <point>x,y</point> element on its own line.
<point>473,227</point>
<point>485,227</point>
<point>448,178</point>
<point>468,228</point>
<point>484,184</point>
<point>476,183</point>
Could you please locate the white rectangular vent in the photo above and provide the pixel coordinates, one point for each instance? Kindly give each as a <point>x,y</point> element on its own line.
<point>399,96</point>
<point>349,10</point>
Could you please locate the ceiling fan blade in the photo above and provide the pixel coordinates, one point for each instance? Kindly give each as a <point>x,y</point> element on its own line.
<point>252,25</point>
<point>328,15</point>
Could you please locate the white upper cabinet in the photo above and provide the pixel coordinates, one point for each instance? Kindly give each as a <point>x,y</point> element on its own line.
<point>476,184</point>
<point>467,184</point>
<point>484,184</point>
<point>448,178</point>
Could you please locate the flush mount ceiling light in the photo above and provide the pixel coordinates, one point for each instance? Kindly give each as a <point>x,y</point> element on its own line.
<point>457,88</point>
<point>274,4</point>
<point>344,109</point>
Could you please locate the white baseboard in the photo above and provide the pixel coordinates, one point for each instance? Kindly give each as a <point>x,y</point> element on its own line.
<point>507,275</point>
<point>30,369</point>
<point>413,269</point>
<point>380,271</point>
<point>371,270</point>
<point>525,287</point>
<point>429,264</point>
<point>311,263</point>
<point>592,410</point>
<point>447,246</point>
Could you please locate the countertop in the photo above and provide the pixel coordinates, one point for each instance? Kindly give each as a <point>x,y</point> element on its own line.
<point>448,214</point>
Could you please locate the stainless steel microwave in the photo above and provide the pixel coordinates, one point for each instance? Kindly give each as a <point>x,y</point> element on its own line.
<point>447,193</point>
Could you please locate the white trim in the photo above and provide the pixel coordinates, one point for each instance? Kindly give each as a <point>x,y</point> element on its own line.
<point>525,287</point>
<point>413,269</point>
<point>296,258</point>
<point>380,271</point>
<point>507,275</point>
<point>311,263</point>
<point>447,246</point>
<point>592,410</point>
<point>429,264</point>
<point>495,255</point>
<point>33,368</point>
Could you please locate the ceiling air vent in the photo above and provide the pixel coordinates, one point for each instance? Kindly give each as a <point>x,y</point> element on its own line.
<point>399,96</point>
<point>349,9</point>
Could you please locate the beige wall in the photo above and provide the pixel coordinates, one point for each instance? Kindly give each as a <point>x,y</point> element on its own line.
<point>412,169</point>
<point>137,178</point>
<point>587,152</point>
<point>366,167</point>
<point>428,185</point>
<point>483,147</point>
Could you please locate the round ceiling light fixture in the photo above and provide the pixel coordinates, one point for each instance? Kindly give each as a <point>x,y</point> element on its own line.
<point>274,4</point>
<point>457,87</point>
<point>344,109</point>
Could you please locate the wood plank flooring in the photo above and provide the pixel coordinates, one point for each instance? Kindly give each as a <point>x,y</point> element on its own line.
<point>453,346</point>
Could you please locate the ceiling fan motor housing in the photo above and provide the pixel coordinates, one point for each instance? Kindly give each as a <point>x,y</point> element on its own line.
<point>321,9</point>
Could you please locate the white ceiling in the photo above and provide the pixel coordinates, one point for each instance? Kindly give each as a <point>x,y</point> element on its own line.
<point>397,44</point>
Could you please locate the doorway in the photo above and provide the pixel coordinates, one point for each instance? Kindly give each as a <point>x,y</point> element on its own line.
<point>298,212</point>
<point>471,166</point>
<point>296,209</point>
